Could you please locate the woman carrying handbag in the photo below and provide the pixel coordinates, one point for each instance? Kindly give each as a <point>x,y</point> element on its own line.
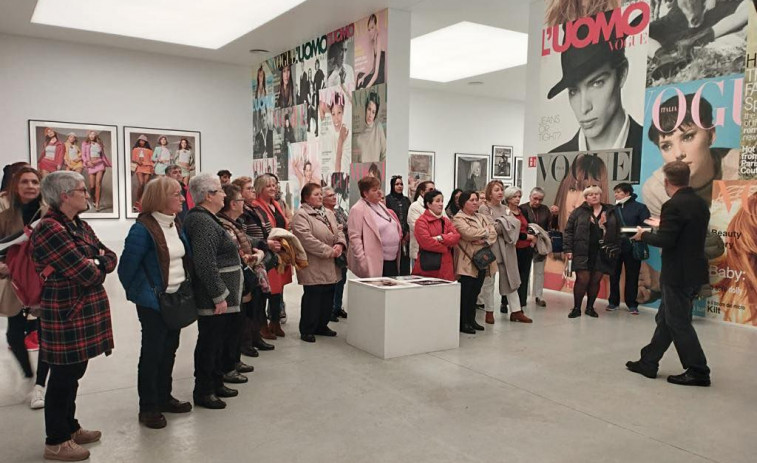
<point>476,235</point>
<point>155,261</point>
<point>436,237</point>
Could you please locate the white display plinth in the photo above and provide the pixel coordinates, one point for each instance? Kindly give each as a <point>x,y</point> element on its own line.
<point>402,320</point>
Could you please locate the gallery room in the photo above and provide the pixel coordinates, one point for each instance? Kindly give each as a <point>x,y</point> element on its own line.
<point>378,230</point>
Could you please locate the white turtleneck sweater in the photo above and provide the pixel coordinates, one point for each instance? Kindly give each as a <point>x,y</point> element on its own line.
<point>176,251</point>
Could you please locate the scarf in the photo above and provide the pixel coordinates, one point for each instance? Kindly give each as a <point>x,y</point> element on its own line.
<point>267,209</point>
<point>623,201</point>
<point>393,193</point>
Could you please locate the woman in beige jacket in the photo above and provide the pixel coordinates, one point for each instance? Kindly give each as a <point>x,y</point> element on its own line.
<point>476,231</point>
<point>318,231</point>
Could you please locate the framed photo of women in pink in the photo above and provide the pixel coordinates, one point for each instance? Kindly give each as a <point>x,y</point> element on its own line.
<point>88,149</point>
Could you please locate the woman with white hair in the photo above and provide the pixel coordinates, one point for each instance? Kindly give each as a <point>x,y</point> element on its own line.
<point>514,245</point>
<point>524,251</point>
<point>217,288</point>
<point>75,314</point>
<point>591,239</point>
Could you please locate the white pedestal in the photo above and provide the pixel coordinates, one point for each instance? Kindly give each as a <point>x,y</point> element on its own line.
<point>405,320</point>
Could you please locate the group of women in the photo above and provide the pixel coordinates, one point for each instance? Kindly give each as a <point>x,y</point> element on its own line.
<point>235,251</point>
<point>147,162</point>
<point>68,155</point>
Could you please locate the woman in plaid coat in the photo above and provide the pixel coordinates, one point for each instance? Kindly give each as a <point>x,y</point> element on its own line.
<point>75,311</point>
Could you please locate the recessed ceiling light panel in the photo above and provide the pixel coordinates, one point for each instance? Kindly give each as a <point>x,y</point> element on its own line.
<point>196,23</point>
<point>464,50</point>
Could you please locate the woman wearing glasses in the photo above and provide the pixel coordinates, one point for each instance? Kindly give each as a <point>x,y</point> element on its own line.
<point>75,313</point>
<point>217,288</point>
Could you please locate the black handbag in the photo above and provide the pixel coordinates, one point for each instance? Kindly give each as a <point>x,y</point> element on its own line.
<point>341,261</point>
<point>430,261</point>
<point>610,251</point>
<point>639,250</point>
<point>481,258</point>
<point>178,309</point>
<point>250,280</point>
<point>270,260</point>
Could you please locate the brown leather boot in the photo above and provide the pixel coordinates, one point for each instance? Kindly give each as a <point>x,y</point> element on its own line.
<point>265,333</point>
<point>519,316</point>
<point>275,328</point>
<point>490,318</point>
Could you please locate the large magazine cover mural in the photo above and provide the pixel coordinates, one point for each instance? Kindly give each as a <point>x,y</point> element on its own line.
<point>307,100</point>
<point>682,75</point>
<point>592,83</point>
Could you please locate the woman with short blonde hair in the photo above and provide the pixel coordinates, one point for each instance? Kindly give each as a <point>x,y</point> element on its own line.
<point>157,195</point>
<point>155,261</point>
<point>593,229</point>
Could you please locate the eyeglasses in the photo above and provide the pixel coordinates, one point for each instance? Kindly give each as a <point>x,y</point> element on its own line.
<point>238,200</point>
<point>80,190</point>
<point>212,192</point>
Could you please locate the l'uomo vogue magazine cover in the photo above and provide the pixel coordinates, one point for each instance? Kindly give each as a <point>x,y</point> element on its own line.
<point>592,82</point>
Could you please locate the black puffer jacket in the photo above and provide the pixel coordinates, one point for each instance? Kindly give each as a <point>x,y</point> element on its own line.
<point>577,233</point>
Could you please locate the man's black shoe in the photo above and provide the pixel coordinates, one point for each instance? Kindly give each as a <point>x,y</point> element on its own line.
<point>262,345</point>
<point>637,367</point>
<point>224,391</point>
<point>326,332</point>
<point>210,401</point>
<point>687,379</point>
<point>467,329</point>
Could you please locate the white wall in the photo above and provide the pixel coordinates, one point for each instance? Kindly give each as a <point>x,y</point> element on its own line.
<point>453,123</point>
<point>47,80</point>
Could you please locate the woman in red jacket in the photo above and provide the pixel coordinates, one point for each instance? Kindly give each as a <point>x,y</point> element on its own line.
<point>436,234</point>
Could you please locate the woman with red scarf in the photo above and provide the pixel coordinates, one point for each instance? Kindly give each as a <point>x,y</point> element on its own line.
<point>266,186</point>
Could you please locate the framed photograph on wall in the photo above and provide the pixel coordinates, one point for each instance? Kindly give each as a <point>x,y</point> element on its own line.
<point>502,163</point>
<point>420,168</point>
<point>147,153</point>
<point>518,180</point>
<point>471,171</point>
<point>89,149</point>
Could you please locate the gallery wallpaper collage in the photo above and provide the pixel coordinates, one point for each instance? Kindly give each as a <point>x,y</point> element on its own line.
<point>636,84</point>
<point>319,111</point>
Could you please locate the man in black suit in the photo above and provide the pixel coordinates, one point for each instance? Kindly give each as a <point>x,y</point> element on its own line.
<point>594,76</point>
<point>681,235</point>
<point>318,80</point>
<point>264,138</point>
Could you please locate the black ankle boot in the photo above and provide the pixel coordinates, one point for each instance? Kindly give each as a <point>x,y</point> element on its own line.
<point>575,312</point>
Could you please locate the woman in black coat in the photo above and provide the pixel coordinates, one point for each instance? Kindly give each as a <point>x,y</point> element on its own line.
<point>591,240</point>
<point>400,204</point>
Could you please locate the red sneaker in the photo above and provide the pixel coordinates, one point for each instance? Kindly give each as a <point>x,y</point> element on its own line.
<point>31,341</point>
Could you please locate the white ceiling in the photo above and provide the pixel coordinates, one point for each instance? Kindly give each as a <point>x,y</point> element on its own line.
<point>310,19</point>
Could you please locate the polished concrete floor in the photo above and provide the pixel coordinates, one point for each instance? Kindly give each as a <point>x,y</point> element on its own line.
<point>554,391</point>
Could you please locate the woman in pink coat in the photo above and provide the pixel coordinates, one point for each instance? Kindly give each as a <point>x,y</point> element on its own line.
<point>375,234</point>
<point>436,234</point>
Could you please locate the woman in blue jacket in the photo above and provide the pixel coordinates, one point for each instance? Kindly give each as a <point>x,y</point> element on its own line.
<point>156,260</point>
